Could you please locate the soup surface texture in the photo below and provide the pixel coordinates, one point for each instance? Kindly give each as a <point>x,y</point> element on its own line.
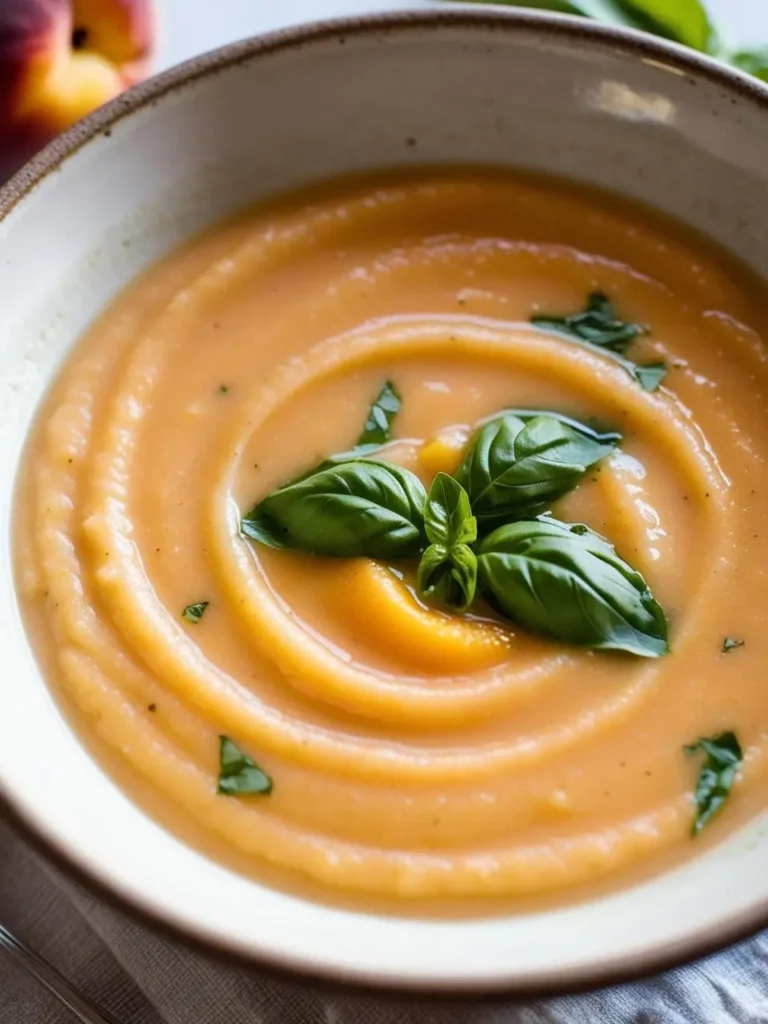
<point>412,751</point>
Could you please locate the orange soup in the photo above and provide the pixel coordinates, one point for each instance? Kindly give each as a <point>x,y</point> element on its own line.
<point>407,536</point>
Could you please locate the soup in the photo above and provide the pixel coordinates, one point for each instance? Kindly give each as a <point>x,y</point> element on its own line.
<point>407,535</point>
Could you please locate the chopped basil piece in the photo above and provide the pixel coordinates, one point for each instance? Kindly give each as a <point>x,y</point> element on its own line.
<point>378,425</point>
<point>195,612</point>
<point>238,774</point>
<point>600,327</point>
<point>729,644</point>
<point>717,776</point>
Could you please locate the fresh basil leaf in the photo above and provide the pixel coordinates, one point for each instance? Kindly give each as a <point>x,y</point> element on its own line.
<point>754,62</point>
<point>568,582</point>
<point>514,468</point>
<point>717,776</point>
<point>729,644</point>
<point>448,575</point>
<point>378,426</point>
<point>448,518</point>
<point>598,325</point>
<point>360,507</point>
<point>611,437</point>
<point>238,774</point>
<point>195,612</point>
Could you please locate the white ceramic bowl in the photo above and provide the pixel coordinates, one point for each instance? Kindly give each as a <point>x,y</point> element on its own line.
<point>559,95</point>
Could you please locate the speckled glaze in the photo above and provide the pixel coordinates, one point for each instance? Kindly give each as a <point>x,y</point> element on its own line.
<point>557,95</point>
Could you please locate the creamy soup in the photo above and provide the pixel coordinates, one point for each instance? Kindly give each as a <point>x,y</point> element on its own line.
<point>376,729</point>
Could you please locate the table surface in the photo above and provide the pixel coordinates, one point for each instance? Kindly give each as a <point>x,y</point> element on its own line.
<point>192,26</point>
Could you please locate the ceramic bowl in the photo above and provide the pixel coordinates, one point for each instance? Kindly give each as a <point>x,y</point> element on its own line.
<point>615,109</point>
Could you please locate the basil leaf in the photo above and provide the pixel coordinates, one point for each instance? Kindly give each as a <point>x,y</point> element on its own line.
<point>448,575</point>
<point>599,326</point>
<point>568,582</point>
<point>717,776</point>
<point>683,21</point>
<point>448,518</point>
<point>195,612</point>
<point>612,437</point>
<point>378,426</point>
<point>361,507</point>
<point>729,644</point>
<point>754,62</point>
<point>514,468</point>
<point>238,774</point>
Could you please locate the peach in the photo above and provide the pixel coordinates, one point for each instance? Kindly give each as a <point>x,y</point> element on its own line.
<point>59,59</point>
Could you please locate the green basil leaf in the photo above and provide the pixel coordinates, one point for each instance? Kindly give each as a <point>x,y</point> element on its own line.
<point>683,21</point>
<point>567,582</point>
<point>195,612</point>
<point>718,773</point>
<point>448,518</point>
<point>514,468</point>
<point>754,62</point>
<point>729,644</point>
<point>611,437</point>
<point>238,774</point>
<point>448,575</point>
<point>600,327</point>
<point>378,426</point>
<point>361,507</point>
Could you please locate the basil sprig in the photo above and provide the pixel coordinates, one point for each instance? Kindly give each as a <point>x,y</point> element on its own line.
<point>717,776</point>
<point>448,568</point>
<point>516,468</point>
<point>239,775</point>
<point>600,327</point>
<point>567,582</point>
<point>359,507</point>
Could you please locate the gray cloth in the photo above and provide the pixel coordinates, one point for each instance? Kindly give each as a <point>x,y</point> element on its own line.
<point>142,978</point>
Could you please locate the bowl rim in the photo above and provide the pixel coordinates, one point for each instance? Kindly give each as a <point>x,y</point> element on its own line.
<point>53,848</point>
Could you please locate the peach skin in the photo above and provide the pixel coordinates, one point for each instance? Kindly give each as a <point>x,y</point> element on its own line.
<point>59,60</point>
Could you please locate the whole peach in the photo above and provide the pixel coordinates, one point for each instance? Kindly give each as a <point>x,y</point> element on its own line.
<point>60,59</point>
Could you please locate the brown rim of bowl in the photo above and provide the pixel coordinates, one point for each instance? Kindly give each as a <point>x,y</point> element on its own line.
<point>688,62</point>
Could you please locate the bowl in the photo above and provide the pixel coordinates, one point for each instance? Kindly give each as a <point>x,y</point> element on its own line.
<point>617,110</point>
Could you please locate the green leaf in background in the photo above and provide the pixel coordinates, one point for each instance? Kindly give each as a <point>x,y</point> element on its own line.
<point>599,327</point>
<point>514,468</point>
<point>718,773</point>
<point>448,568</point>
<point>448,575</point>
<point>378,426</point>
<point>238,774</point>
<point>567,582</point>
<point>683,21</point>
<point>754,62</point>
<point>360,507</point>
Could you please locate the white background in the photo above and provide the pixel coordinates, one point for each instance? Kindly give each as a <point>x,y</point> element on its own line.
<point>189,27</point>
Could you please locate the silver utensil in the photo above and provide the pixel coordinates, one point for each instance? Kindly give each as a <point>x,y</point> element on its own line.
<point>57,984</point>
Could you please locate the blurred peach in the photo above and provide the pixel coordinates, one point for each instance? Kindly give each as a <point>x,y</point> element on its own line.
<point>59,60</point>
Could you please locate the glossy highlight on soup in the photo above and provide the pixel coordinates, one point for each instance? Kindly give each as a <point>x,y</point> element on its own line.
<point>365,718</point>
